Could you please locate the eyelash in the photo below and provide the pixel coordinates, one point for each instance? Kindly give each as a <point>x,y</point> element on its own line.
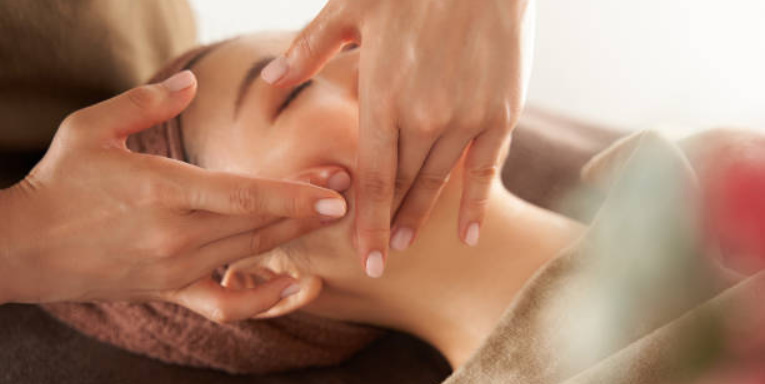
<point>294,94</point>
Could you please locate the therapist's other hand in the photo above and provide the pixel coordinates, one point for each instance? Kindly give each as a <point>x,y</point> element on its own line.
<point>94,221</point>
<point>437,79</point>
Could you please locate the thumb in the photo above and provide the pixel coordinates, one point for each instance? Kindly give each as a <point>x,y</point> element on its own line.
<point>224,305</point>
<point>312,48</point>
<point>137,109</point>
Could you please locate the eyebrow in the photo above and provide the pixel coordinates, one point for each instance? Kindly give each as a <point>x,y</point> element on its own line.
<point>252,74</point>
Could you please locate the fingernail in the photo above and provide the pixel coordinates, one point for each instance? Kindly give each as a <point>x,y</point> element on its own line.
<point>179,81</point>
<point>275,70</point>
<point>340,181</point>
<point>401,239</point>
<point>375,265</point>
<point>472,235</point>
<point>331,207</point>
<point>291,290</point>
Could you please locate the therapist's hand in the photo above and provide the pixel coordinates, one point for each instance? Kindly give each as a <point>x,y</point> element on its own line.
<point>437,78</point>
<point>94,221</point>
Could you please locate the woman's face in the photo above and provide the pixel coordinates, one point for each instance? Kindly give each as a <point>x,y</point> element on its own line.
<point>238,123</point>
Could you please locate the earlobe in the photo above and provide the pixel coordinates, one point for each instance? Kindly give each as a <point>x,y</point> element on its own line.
<point>252,276</point>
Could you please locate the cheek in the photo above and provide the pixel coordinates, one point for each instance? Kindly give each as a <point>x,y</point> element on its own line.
<point>322,133</point>
<point>317,133</point>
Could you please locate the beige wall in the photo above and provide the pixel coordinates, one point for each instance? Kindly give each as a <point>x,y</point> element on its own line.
<point>637,64</point>
<point>644,63</point>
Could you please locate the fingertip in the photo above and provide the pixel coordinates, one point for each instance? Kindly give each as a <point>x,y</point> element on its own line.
<point>401,239</point>
<point>275,71</point>
<point>331,208</point>
<point>262,298</point>
<point>291,290</point>
<point>180,81</point>
<point>339,181</point>
<point>374,265</point>
<point>472,234</point>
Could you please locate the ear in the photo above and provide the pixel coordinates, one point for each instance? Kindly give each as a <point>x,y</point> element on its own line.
<point>249,273</point>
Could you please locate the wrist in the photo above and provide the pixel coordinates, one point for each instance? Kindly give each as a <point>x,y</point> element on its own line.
<point>6,294</point>
<point>10,252</point>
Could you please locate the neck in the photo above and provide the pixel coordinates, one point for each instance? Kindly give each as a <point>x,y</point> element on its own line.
<point>464,292</point>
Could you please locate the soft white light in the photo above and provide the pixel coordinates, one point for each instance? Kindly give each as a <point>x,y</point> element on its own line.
<point>636,64</point>
<point>221,19</point>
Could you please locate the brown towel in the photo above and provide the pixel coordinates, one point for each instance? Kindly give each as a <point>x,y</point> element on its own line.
<point>176,335</point>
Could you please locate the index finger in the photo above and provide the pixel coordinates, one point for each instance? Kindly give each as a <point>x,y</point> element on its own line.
<point>232,194</point>
<point>376,172</point>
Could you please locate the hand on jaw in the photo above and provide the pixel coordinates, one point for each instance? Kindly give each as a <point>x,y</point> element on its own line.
<point>448,80</point>
<point>94,221</point>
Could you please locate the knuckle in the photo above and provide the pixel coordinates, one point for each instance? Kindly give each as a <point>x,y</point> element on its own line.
<point>74,121</point>
<point>482,174</point>
<point>429,132</point>
<point>510,115</point>
<point>294,207</point>
<point>166,242</point>
<point>376,187</point>
<point>246,199</point>
<point>376,232</point>
<point>473,121</point>
<point>430,182</point>
<point>426,124</point>
<point>144,98</point>
<point>304,45</point>
<point>496,116</point>
<point>153,192</point>
<point>503,118</point>
<point>477,204</point>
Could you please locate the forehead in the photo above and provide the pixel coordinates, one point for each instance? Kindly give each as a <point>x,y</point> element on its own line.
<point>223,68</point>
<point>220,72</point>
<point>219,75</point>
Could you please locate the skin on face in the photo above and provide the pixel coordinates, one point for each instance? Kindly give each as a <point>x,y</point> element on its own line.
<point>245,127</point>
<point>439,289</point>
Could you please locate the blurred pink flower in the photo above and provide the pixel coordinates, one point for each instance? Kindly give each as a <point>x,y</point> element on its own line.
<point>737,215</point>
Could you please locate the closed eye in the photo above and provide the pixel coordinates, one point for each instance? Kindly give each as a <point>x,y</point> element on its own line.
<point>294,94</point>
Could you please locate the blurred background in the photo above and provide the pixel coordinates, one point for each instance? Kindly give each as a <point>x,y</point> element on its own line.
<point>675,65</point>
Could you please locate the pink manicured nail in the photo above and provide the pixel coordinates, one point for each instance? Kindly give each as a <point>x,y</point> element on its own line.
<point>179,81</point>
<point>339,182</point>
<point>375,265</point>
<point>331,207</point>
<point>472,235</point>
<point>275,70</point>
<point>401,239</point>
<point>291,290</point>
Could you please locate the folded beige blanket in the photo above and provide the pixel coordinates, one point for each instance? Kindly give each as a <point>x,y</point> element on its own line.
<point>637,300</point>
